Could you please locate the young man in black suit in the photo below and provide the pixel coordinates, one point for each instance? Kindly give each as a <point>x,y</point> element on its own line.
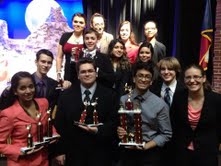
<point>46,86</point>
<point>80,144</point>
<point>105,73</point>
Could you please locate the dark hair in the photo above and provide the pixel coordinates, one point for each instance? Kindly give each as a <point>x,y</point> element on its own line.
<point>206,84</point>
<point>84,61</point>
<point>124,62</point>
<point>89,31</point>
<point>145,44</point>
<point>148,66</point>
<point>79,15</point>
<point>44,51</point>
<point>8,97</point>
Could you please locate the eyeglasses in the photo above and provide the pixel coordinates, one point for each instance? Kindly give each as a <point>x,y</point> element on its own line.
<point>189,78</point>
<point>145,77</point>
<point>83,72</point>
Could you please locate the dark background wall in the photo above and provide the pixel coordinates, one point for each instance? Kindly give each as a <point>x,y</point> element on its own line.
<point>179,23</point>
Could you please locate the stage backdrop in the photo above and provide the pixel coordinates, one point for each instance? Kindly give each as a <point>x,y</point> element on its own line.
<point>27,26</point>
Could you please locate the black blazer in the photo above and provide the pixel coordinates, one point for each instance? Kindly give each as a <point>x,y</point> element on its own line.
<point>157,85</point>
<point>206,136</point>
<point>76,142</point>
<point>105,73</point>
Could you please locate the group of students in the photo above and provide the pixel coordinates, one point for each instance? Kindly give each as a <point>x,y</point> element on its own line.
<point>180,117</point>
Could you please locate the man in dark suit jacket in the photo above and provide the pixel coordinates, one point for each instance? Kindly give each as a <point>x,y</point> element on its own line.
<point>104,67</point>
<point>46,86</point>
<point>150,31</point>
<point>169,69</point>
<point>80,143</point>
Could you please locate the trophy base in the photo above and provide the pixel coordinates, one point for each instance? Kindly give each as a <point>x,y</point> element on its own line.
<point>131,144</point>
<point>25,150</point>
<point>59,88</point>
<point>50,139</point>
<point>89,125</point>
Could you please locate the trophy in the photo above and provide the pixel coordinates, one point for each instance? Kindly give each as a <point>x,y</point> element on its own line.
<point>30,145</point>
<point>39,129</point>
<point>49,135</point>
<point>84,114</point>
<point>60,81</point>
<point>131,122</point>
<point>29,139</point>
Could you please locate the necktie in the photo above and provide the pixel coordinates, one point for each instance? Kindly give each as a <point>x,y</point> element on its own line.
<point>167,96</point>
<point>139,98</point>
<point>88,55</point>
<point>87,95</point>
<point>40,89</point>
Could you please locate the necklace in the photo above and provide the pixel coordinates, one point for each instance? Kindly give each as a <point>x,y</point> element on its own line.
<point>77,40</point>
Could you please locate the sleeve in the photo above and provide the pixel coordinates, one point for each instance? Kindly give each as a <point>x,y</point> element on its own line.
<point>165,131</point>
<point>12,151</point>
<point>105,72</point>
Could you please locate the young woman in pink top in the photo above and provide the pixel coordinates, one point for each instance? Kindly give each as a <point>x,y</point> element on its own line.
<point>20,119</point>
<point>196,121</point>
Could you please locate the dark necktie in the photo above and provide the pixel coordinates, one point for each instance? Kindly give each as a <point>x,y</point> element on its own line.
<point>88,55</point>
<point>41,89</point>
<point>139,98</point>
<point>167,96</point>
<point>87,95</point>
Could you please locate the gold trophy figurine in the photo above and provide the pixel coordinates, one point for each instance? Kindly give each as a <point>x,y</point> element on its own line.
<point>29,138</point>
<point>128,103</point>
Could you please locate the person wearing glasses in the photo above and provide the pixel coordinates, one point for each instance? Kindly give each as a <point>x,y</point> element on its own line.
<point>150,32</point>
<point>70,45</point>
<point>97,22</point>
<point>195,118</point>
<point>156,128</point>
<point>81,144</point>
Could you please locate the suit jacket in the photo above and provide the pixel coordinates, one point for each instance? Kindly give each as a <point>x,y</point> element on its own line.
<point>92,148</point>
<point>13,122</point>
<point>159,52</point>
<point>206,136</point>
<point>105,73</point>
<point>156,87</point>
<point>51,92</point>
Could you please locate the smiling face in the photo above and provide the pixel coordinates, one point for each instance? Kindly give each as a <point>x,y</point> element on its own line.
<point>25,90</point>
<point>98,24</point>
<point>118,50</point>
<point>78,24</point>
<point>145,54</point>
<point>90,40</point>
<point>150,30</point>
<point>125,32</point>
<point>168,74</point>
<point>142,80</point>
<point>194,79</point>
<point>87,75</point>
<point>43,64</point>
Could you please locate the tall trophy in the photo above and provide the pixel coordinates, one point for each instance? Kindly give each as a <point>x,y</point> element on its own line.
<point>131,122</point>
<point>60,81</point>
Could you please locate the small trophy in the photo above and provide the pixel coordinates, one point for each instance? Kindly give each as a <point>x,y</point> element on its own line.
<point>49,138</point>
<point>49,124</point>
<point>30,138</point>
<point>60,82</point>
<point>84,113</point>
<point>131,122</point>
<point>39,129</point>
